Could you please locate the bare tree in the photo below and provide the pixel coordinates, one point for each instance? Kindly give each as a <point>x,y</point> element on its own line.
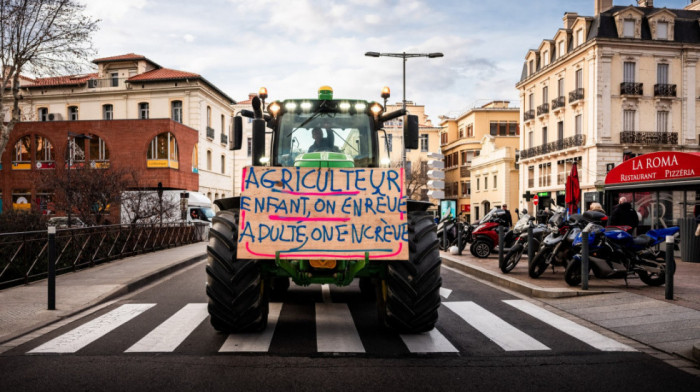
<point>146,206</point>
<point>417,181</point>
<point>39,37</point>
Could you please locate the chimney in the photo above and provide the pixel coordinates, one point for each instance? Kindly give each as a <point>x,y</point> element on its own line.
<point>602,6</point>
<point>569,19</point>
<point>645,3</point>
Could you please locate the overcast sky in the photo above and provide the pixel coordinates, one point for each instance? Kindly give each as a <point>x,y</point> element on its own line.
<point>292,47</point>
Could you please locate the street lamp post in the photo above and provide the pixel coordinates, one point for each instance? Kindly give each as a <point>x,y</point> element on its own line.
<point>69,191</point>
<point>405,56</point>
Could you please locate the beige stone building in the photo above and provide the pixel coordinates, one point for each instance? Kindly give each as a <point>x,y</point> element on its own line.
<point>496,174</point>
<point>604,88</point>
<point>130,87</point>
<point>461,141</point>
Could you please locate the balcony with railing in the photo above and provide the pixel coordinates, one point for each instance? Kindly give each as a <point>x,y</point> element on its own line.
<point>631,88</point>
<point>210,133</point>
<point>224,138</point>
<point>557,145</point>
<point>558,102</point>
<point>543,109</point>
<point>107,82</point>
<point>529,115</point>
<point>648,138</point>
<point>576,95</point>
<point>665,90</point>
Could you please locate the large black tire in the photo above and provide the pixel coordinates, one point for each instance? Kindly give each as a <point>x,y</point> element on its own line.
<point>481,248</point>
<point>238,300</point>
<point>538,264</point>
<point>572,275</point>
<point>409,298</point>
<point>367,288</point>
<point>278,287</point>
<point>512,258</point>
<point>652,279</point>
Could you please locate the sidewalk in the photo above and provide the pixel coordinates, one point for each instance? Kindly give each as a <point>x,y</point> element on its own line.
<point>23,309</point>
<point>637,311</point>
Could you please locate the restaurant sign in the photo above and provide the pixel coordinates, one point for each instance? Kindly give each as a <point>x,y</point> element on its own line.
<point>656,166</point>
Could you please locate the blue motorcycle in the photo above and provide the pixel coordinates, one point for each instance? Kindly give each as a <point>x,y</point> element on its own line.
<point>615,254</point>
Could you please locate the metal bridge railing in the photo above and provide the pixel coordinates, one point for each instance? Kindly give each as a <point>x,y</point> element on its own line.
<point>24,256</point>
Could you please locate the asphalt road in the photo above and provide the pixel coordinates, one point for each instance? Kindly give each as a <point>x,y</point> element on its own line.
<point>486,339</point>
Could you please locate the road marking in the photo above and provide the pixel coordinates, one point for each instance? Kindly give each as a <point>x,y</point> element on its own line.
<point>445,292</point>
<point>569,327</point>
<point>428,342</point>
<point>326,293</point>
<point>254,341</point>
<point>494,328</point>
<point>335,329</point>
<point>173,331</point>
<point>87,333</point>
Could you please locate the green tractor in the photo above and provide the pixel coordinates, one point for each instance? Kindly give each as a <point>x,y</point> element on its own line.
<point>317,193</point>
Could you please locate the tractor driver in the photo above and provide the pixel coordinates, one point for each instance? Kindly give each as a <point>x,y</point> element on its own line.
<point>322,143</point>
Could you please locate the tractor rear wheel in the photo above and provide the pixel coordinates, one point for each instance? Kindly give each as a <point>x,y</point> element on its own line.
<point>237,292</point>
<point>409,298</point>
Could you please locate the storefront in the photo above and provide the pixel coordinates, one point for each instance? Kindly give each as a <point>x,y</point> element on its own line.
<point>663,187</point>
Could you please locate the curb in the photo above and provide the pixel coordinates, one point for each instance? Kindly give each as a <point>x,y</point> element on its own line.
<point>131,286</point>
<point>515,284</point>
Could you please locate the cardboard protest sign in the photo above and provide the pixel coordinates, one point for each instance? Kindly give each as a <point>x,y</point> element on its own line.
<point>322,213</point>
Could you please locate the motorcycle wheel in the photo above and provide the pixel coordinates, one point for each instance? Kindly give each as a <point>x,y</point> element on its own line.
<point>652,279</point>
<point>481,249</point>
<point>539,263</point>
<point>512,258</point>
<point>572,276</point>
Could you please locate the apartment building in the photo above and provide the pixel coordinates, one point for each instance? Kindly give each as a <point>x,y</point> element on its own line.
<point>461,141</point>
<point>131,105</point>
<point>606,88</point>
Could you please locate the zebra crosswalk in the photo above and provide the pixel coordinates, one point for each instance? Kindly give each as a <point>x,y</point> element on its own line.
<point>335,331</point>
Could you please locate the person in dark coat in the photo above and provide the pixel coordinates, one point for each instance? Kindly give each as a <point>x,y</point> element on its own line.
<point>623,214</point>
<point>507,219</point>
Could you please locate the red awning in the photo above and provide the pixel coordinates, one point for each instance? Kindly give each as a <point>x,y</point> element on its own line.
<point>656,167</point>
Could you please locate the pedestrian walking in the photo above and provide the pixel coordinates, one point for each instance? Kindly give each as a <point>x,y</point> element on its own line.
<point>508,220</point>
<point>623,214</point>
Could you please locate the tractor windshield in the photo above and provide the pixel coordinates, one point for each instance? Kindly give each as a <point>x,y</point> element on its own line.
<point>344,132</point>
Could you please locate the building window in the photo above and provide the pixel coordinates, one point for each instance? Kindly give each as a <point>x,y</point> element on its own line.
<point>628,28</point>
<point>469,188</point>
<point>43,114</point>
<point>544,135</point>
<point>250,147</point>
<point>579,37</point>
<point>560,130</point>
<point>209,160</point>
<point>662,30</point>
<point>486,183</point>
<point>389,142</point>
<point>560,49</point>
<point>463,156</point>
<point>579,78</point>
<point>461,132</point>
<point>107,111</point>
<point>75,151</point>
<point>560,87</point>
<point>143,110</point>
<point>546,57</point>
<point>662,73</point>
<point>176,109</point>
<point>531,101</point>
<point>495,182</point>
<point>545,94</point>
<point>470,130</point>
<point>223,124</point>
<point>477,184</point>
<point>531,64</point>
<point>209,116</point>
<point>73,113</point>
<point>531,139</point>
<point>162,152</point>
<point>44,154</point>
<point>662,121</point>
<point>99,153</point>
<point>223,164</point>
<point>115,79</point>
<point>424,143</point>
<point>579,124</point>
<point>628,120</point>
<point>628,73</point>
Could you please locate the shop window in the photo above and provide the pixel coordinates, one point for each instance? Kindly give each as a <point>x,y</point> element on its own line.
<point>22,159</point>
<point>76,152</point>
<point>99,153</point>
<point>44,154</point>
<point>195,159</point>
<point>44,201</point>
<point>21,199</point>
<point>162,152</point>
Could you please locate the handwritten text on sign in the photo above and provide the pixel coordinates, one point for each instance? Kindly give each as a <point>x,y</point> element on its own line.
<point>322,213</point>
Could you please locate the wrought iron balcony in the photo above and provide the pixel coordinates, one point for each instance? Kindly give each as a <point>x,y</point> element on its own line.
<point>210,132</point>
<point>529,115</point>
<point>557,145</point>
<point>576,95</point>
<point>542,109</point>
<point>558,102</point>
<point>631,88</point>
<point>648,138</point>
<point>224,138</point>
<point>664,90</point>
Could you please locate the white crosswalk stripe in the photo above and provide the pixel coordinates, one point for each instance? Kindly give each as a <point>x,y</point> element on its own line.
<point>87,333</point>
<point>254,341</point>
<point>495,328</point>
<point>335,329</point>
<point>569,327</point>
<point>428,342</point>
<point>171,333</point>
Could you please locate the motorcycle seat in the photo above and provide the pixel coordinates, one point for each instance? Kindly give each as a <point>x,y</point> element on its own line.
<point>642,241</point>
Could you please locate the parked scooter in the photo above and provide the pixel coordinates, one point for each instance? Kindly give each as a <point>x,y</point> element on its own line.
<point>520,246</point>
<point>450,226</point>
<point>486,234</point>
<point>615,254</point>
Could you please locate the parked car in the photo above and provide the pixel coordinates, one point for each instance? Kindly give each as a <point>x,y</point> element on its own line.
<point>61,222</point>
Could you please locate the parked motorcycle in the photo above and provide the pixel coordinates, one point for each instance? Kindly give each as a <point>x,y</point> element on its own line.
<point>557,249</point>
<point>520,246</point>
<point>485,235</point>
<point>615,254</point>
<point>450,226</point>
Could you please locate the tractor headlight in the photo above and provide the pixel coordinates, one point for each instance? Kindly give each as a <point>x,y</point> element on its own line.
<point>290,106</point>
<point>360,107</point>
<point>274,108</point>
<point>306,105</point>
<point>376,109</point>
